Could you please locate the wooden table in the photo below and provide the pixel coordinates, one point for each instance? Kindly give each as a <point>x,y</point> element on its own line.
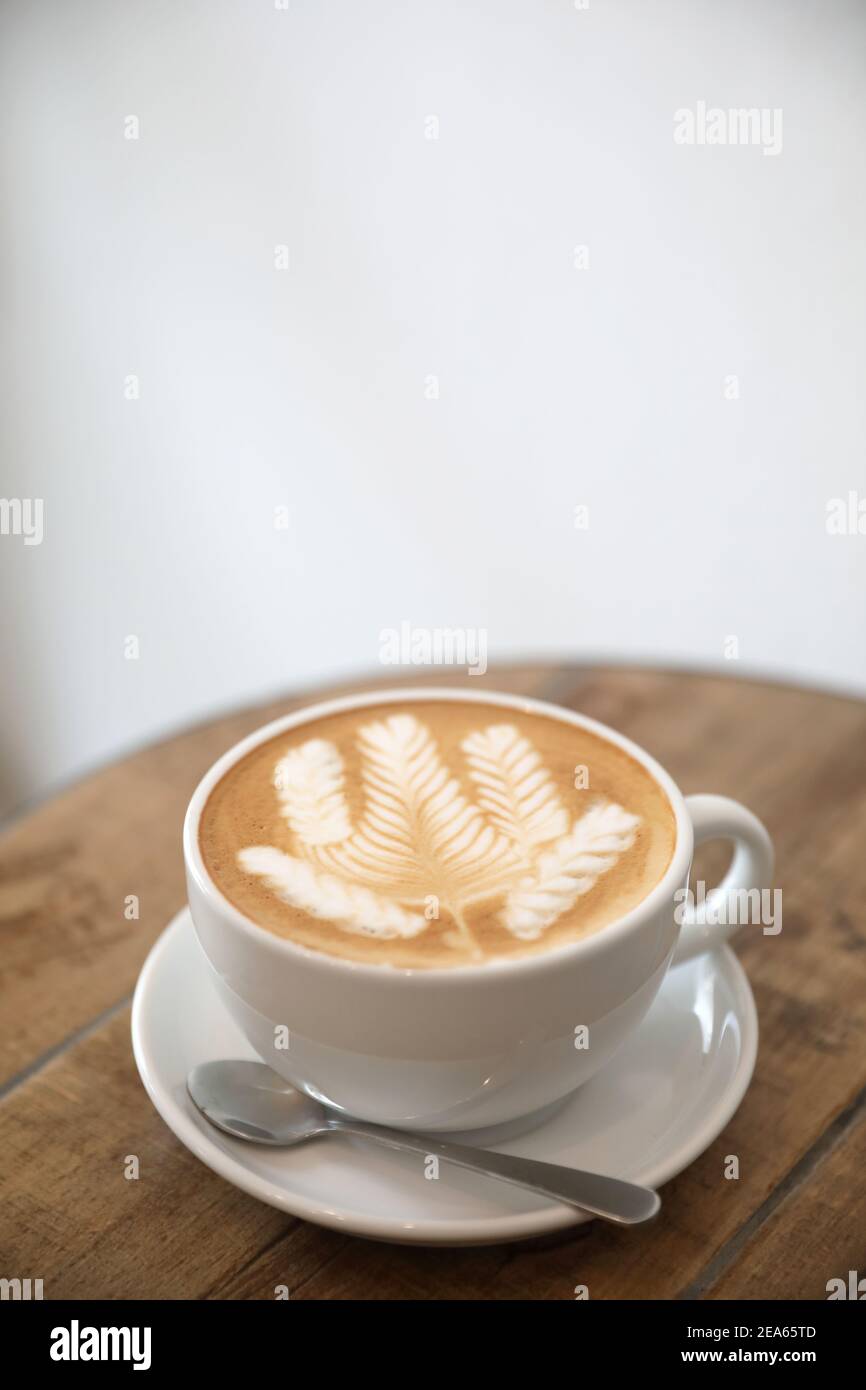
<point>72,1106</point>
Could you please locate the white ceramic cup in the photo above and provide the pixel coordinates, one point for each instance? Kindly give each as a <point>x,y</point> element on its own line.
<point>474,1045</point>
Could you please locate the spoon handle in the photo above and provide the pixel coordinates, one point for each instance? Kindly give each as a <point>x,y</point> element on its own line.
<point>624,1203</point>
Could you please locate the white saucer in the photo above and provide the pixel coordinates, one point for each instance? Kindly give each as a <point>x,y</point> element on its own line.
<point>648,1114</point>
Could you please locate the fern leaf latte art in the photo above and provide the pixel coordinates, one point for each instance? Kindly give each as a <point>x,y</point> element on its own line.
<point>436,833</point>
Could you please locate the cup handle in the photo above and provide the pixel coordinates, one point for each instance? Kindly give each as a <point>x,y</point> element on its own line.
<point>719,818</point>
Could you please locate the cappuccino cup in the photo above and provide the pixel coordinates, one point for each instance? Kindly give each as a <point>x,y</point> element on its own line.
<point>443,910</point>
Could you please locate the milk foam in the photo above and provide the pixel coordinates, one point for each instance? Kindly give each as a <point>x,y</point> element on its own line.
<point>420,849</point>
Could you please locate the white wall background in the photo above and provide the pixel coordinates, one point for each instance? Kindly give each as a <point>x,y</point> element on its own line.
<point>412,257</point>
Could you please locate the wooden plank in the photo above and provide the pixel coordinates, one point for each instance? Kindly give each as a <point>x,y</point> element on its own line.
<point>72,1218</point>
<point>181,1232</point>
<point>816,1234</point>
<point>69,1216</point>
<point>67,951</point>
<point>812,1005</point>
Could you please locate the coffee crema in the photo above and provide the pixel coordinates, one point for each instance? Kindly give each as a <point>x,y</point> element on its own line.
<point>436,833</point>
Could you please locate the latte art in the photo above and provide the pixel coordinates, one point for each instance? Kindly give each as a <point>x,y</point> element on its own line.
<point>420,842</point>
<point>435,833</point>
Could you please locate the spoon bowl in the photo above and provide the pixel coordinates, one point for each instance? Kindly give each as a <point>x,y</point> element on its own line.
<point>250,1101</point>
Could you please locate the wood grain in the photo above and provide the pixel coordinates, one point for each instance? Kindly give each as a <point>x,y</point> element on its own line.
<point>74,1107</point>
<point>66,871</point>
<point>814,1234</point>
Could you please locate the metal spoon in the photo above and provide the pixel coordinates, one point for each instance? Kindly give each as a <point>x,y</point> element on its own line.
<point>250,1101</point>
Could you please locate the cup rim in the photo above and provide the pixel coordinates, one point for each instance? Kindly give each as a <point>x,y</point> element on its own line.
<point>557,956</point>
